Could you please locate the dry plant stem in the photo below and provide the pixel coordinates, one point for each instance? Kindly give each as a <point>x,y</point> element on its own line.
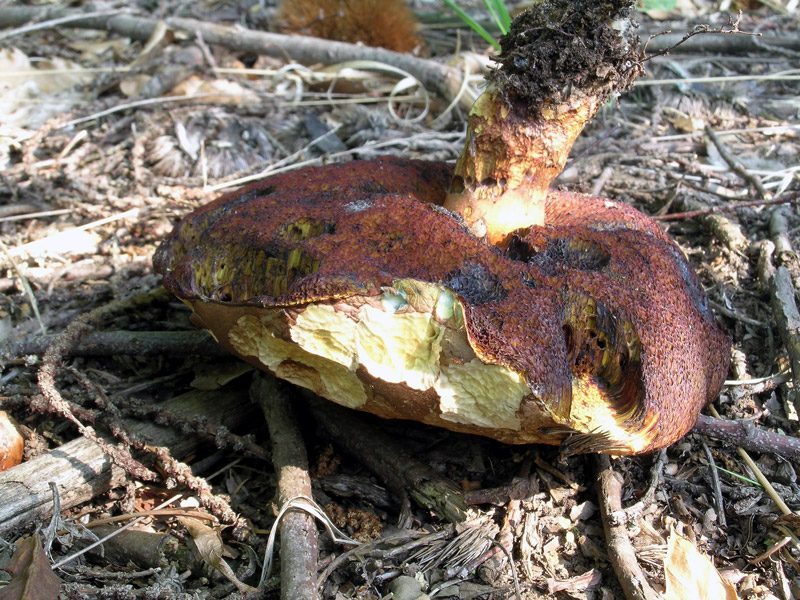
<point>201,426</point>
<point>128,343</point>
<point>621,553</point>
<point>444,79</point>
<point>299,537</point>
<point>182,474</point>
<point>736,165</point>
<point>81,470</point>
<point>402,473</point>
<point>656,477</point>
<point>747,435</point>
<point>764,482</point>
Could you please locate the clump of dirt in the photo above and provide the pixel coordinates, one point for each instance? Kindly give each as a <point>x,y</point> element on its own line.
<point>560,45</point>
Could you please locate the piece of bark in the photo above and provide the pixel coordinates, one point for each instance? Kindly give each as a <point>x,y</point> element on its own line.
<point>621,553</point>
<point>403,474</point>
<point>299,537</point>
<point>81,471</point>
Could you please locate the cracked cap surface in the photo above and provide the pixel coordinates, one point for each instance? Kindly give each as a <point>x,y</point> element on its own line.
<point>350,280</point>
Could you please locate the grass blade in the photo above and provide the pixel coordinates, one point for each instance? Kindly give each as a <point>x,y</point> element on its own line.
<point>499,12</point>
<point>473,24</point>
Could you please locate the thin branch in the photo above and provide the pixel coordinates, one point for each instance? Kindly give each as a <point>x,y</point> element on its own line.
<point>621,553</point>
<point>736,165</point>
<point>699,29</point>
<point>690,214</point>
<point>748,436</point>
<point>446,80</point>
<point>299,538</point>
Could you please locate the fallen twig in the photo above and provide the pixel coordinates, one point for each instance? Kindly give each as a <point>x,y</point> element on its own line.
<point>719,504</point>
<point>748,436</point>
<point>81,470</point>
<point>299,537</point>
<point>446,80</point>
<point>52,401</point>
<point>793,197</point>
<point>698,30</point>
<point>126,343</point>
<point>724,229</point>
<point>621,553</point>
<point>782,293</point>
<point>736,165</point>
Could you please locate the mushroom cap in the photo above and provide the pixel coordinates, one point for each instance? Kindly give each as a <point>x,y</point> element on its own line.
<point>352,281</point>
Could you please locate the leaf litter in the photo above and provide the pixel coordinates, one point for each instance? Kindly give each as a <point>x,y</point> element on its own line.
<point>651,150</point>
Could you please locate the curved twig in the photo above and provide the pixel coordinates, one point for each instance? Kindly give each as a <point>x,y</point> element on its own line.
<point>621,553</point>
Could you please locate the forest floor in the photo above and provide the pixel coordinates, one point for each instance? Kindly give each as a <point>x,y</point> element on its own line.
<point>106,141</point>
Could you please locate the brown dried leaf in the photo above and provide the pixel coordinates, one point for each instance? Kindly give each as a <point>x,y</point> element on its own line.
<point>691,574</point>
<point>210,547</point>
<point>32,578</point>
<point>217,91</point>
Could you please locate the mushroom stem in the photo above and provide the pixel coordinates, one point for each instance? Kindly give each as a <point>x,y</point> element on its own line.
<point>559,63</point>
<point>509,159</point>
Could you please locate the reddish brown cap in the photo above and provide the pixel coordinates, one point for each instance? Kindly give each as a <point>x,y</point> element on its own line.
<point>352,281</point>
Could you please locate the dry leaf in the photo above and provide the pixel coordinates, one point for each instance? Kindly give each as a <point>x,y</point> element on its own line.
<point>131,87</point>
<point>691,574</point>
<point>32,578</point>
<point>217,91</point>
<point>95,49</point>
<point>210,547</point>
<point>11,443</point>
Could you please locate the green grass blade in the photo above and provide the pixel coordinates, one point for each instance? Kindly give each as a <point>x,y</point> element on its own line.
<point>495,17</point>
<point>742,477</point>
<point>473,24</point>
<point>500,14</point>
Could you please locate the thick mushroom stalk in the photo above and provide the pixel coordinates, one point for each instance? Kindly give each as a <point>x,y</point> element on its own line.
<point>580,322</point>
<point>559,63</point>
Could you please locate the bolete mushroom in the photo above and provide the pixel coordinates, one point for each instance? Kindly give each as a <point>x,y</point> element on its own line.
<point>470,297</point>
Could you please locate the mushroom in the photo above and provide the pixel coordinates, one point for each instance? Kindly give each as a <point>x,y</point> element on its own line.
<point>471,297</point>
